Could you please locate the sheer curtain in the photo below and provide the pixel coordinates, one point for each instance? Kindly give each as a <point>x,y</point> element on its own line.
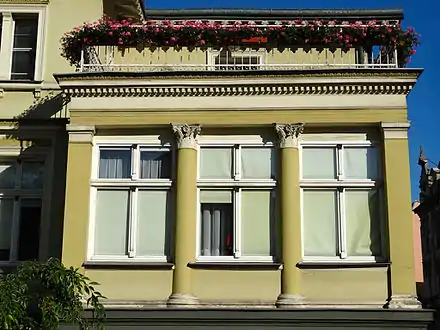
<point>115,164</point>
<point>155,165</point>
<point>217,223</point>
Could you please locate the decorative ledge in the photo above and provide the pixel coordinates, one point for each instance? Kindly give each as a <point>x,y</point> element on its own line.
<point>339,265</point>
<point>235,265</point>
<point>293,82</point>
<point>128,265</point>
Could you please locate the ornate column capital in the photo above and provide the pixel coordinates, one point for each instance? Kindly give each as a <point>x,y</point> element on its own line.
<point>186,135</point>
<point>288,134</point>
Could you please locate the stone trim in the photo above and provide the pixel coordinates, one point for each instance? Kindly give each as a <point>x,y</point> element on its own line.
<point>404,302</point>
<point>186,135</point>
<point>288,134</point>
<point>80,133</point>
<point>395,130</point>
<point>17,2</point>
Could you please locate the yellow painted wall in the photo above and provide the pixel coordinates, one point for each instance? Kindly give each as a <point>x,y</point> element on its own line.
<point>160,57</point>
<point>133,285</point>
<point>128,117</point>
<point>63,16</point>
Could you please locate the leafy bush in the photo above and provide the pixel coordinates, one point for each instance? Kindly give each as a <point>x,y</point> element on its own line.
<point>43,295</point>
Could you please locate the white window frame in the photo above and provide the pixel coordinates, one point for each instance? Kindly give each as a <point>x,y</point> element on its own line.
<point>7,37</point>
<point>339,184</point>
<point>249,52</point>
<point>138,144</point>
<point>235,185</point>
<point>18,194</point>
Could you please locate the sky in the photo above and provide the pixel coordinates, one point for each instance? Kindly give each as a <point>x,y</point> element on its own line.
<point>423,102</point>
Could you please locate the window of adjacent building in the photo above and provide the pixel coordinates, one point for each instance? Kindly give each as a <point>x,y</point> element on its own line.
<point>132,203</point>
<point>21,185</point>
<point>21,43</point>
<point>341,202</point>
<point>237,209</point>
<point>236,60</point>
<point>24,47</point>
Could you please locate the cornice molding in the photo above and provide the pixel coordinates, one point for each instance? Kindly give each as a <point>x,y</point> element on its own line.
<point>336,88</point>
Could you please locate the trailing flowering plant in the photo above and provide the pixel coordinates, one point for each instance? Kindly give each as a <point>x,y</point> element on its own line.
<point>288,34</point>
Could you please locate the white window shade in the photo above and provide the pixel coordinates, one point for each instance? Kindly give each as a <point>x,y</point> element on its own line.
<point>115,164</point>
<point>257,222</point>
<point>319,223</point>
<point>258,163</point>
<point>153,212</point>
<point>361,163</point>
<point>362,211</point>
<point>216,163</point>
<point>216,196</point>
<point>319,163</point>
<point>112,210</point>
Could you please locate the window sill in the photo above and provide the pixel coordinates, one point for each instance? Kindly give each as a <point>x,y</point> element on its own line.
<point>235,265</point>
<point>341,264</point>
<point>127,265</point>
<point>20,84</point>
<point>9,266</point>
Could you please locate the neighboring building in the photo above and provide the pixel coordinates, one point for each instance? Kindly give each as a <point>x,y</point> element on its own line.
<point>428,211</point>
<point>231,180</point>
<point>33,118</point>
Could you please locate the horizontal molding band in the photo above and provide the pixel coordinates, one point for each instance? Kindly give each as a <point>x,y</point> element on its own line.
<point>337,88</point>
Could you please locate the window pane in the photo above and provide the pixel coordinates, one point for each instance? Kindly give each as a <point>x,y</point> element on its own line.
<point>111,226</point>
<point>153,213</point>
<point>216,163</point>
<point>217,223</point>
<point>6,216</point>
<point>29,234</point>
<point>32,175</point>
<point>155,164</point>
<point>26,24</point>
<point>319,211</point>
<point>7,176</point>
<point>257,222</point>
<point>23,65</point>
<point>258,163</point>
<point>362,211</point>
<point>115,164</point>
<point>361,163</point>
<point>319,163</point>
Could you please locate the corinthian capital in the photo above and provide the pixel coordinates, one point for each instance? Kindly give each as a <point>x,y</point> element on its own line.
<point>186,135</point>
<point>288,134</point>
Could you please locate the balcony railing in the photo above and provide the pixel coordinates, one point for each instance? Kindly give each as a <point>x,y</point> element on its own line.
<point>114,59</point>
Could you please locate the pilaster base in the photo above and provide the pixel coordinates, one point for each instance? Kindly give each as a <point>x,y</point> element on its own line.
<point>182,300</point>
<point>290,301</point>
<point>403,302</point>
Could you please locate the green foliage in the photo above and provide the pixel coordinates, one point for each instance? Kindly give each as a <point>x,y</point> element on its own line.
<point>43,295</point>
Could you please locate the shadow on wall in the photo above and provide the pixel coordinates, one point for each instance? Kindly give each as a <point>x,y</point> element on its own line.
<point>32,184</point>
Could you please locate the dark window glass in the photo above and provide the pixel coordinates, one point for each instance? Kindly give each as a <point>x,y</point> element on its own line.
<point>24,50</point>
<point>29,233</point>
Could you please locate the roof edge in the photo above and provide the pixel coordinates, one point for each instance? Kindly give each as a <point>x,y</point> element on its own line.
<point>275,14</point>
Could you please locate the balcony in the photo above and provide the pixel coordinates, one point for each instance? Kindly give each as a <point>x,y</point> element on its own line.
<point>130,59</point>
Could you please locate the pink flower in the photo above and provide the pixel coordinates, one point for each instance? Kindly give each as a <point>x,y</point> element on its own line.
<point>202,42</point>
<point>413,51</point>
<point>110,33</point>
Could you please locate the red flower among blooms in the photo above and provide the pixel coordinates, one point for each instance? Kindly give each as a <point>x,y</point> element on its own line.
<point>195,33</point>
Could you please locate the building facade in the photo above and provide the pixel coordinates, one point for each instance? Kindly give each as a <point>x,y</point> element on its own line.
<point>246,176</point>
